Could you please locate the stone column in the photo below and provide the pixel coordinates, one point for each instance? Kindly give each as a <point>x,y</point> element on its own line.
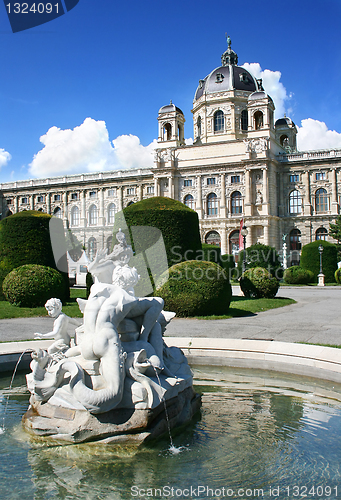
<point>247,200</point>
<point>171,186</point>
<point>266,235</point>
<point>334,206</point>
<point>307,196</point>
<point>157,186</point>
<point>48,202</point>
<point>65,207</point>
<point>83,209</point>
<point>32,201</point>
<point>101,219</point>
<point>16,204</point>
<point>222,197</point>
<point>120,198</point>
<point>199,197</point>
<point>223,239</point>
<point>140,188</point>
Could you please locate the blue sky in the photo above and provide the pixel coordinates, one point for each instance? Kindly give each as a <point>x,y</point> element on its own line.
<point>101,72</point>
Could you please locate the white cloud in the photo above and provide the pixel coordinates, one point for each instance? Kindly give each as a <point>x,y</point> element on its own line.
<point>87,148</point>
<point>314,134</point>
<point>272,86</point>
<point>5,157</point>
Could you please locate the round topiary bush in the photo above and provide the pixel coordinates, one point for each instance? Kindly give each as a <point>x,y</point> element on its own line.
<point>296,275</point>
<point>25,239</point>
<point>338,276</point>
<point>258,283</point>
<point>196,288</point>
<point>178,224</point>
<point>310,259</point>
<point>260,255</point>
<point>32,285</point>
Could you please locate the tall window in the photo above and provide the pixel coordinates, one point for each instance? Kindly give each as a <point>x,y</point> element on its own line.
<point>295,202</point>
<point>74,196</point>
<point>236,203</point>
<point>321,200</point>
<point>40,199</point>
<point>199,126</point>
<point>235,179</point>
<point>92,194</point>
<point>93,215</point>
<point>189,201</point>
<point>218,121</point>
<point>210,181</point>
<point>320,176</point>
<point>111,213</point>
<point>187,182</point>
<point>58,212</point>
<point>244,120</point>
<point>92,248</point>
<point>111,193</point>
<point>258,116</point>
<point>56,197</point>
<point>212,204</point>
<point>24,200</point>
<point>131,191</point>
<point>295,239</point>
<point>150,189</point>
<point>167,132</point>
<point>294,178</point>
<point>74,216</point>
<point>321,233</point>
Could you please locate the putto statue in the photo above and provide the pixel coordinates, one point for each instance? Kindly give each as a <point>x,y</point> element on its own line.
<point>119,364</point>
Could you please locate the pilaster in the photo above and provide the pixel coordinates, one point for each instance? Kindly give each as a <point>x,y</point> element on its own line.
<point>222,197</point>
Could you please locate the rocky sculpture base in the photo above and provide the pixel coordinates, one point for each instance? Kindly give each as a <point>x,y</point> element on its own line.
<point>118,426</point>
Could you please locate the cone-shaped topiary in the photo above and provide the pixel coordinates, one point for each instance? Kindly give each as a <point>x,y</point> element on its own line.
<point>196,288</point>
<point>32,285</point>
<point>258,283</point>
<point>25,239</point>
<point>310,259</point>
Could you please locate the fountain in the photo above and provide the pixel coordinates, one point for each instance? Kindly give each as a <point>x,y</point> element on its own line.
<point>119,382</point>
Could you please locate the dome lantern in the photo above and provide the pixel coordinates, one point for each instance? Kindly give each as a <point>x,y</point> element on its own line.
<point>229,57</point>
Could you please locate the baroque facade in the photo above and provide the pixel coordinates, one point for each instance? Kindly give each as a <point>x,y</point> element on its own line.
<point>242,165</point>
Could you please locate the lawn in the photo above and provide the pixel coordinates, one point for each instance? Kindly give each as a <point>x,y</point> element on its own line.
<point>240,306</point>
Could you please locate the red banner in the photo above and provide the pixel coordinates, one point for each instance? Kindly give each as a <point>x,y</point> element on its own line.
<point>241,240</point>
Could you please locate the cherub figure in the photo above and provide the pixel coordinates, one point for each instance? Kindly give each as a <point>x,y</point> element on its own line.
<point>60,327</point>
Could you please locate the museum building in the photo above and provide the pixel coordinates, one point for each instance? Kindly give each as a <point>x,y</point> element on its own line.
<point>242,165</point>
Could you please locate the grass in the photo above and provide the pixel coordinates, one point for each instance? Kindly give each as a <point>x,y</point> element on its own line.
<point>240,306</point>
<point>71,308</point>
<point>335,346</point>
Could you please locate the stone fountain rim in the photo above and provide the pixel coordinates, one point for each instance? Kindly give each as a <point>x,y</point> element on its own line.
<point>300,359</point>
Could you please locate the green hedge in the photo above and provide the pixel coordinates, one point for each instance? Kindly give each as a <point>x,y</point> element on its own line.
<point>25,239</point>
<point>32,285</point>
<point>196,288</point>
<point>338,276</point>
<point>178,224</point>
<point>260,255</point>
<point>298,275</point>
<point>211,253</point>
<point>310,259</point>
<point>258,283</point>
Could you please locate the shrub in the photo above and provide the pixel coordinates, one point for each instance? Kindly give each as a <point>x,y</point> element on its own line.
<point>258,283</point>
<point>310,259</point>
<point>196,288</point>
<point>178,224</point>
<point>25,239</point>
<point>260,255</point>
<point>89,281</point>
<point>32,285</point>
<point>298,275</point>
<point>228,264</point>
<point>211,253</point>
<point>338,276</point>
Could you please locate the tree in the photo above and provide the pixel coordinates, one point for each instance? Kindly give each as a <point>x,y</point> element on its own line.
<point>335,232</point>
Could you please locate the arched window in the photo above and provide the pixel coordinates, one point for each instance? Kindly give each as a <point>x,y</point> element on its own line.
<point>218,119</point>
<point>234,242</point>
<point>295,202</point>
<point>189,201</point>
<point>92,248</point>
<point>236,203</point>
<point>109,244</point>
<point>167,132</point>
<point>199,126</point>
<point>57,212</point>
<point>244,121</point>
<point>258,116</point>
<point>321,233</point>
<point>130,203</point>
<point>284,140</point>
<point>212,204</point>
<point>111,213</point>
<point>295,239</point>
<point>212,238</point>
<point>321,200</point>
<point>93,215</point>
<point>75,216</point>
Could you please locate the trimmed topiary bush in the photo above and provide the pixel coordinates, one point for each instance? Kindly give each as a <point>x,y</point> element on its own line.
<point>258,283</point>
<point>338,276</point>
<point>178,224</point>
<point>25,239</point>
<point>211,253</point>
<point>260,255</point>
<point>227,262</point>
<point>196,288</point>
<point>310,259</point>
<point>32,285</point>
<point>296,275</point>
